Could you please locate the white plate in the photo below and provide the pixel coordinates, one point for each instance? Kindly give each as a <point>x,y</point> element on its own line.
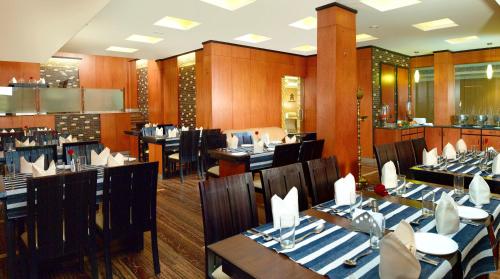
<point>246,145</point>
<point>435,244</point>
<point>472,213</point>
<point>239,153</point>
<point>64,167</point>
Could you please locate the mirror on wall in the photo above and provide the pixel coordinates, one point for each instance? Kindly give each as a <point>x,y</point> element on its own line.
<point>423,93</point>
<point>394,92</point>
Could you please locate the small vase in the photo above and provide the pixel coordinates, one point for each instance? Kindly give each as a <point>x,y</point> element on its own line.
<point>73,166</point>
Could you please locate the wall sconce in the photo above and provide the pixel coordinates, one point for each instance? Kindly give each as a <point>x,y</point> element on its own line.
<point>416,76</point>
<point>489,71</point>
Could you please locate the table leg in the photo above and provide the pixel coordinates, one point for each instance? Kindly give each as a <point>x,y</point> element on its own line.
<point>10,237</point>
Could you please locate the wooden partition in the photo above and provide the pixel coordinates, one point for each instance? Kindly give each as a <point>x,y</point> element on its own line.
<point>310,94</point>
<point>112,127</point>
<point>364,59</point>
<point>28,120</point>
<point>19,70</point>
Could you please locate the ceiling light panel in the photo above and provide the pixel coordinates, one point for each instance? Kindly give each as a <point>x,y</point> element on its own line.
<point>144,39</point>
<point>462,40</point>
<point>304,48</point>
<point>176,23</point>
<point>387,5</point>
<point>122,49</point>
<point>231,5</point>
<point>435,24</point>
<point>307,23</point>
<point>364,37</point>
<point>253,38</point>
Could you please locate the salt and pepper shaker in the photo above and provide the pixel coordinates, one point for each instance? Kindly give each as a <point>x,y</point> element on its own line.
<point>374,205</point>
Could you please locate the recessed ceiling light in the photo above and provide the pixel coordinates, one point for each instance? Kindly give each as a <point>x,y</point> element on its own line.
<point>121,49</point>
<point>231,5</point>
<point>177,23</point>
<point>305,48</point>
<point>364,37</point>
<point>387,5</point>
<point>144,39</point>
<point>252,38</point>
<point>462,40</point>
<point>307,23</point>
<point>435,24</point>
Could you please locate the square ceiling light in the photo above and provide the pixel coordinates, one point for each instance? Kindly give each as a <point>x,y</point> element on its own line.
<point>122,49</point>
<point>364,37</point>
<point>253,38</point>
<point>304,48</point>
<point>176,23</point>
<point>435,24</point>
<point>462,40</point>
<point>231,5</point>
<point>144,39</point>
<point>387,5</point>
<point>307,23</point>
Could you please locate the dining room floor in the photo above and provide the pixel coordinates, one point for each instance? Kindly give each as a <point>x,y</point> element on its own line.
<point>180,237</point>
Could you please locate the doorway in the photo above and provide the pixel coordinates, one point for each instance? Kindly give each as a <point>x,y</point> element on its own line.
<point>292,104</point>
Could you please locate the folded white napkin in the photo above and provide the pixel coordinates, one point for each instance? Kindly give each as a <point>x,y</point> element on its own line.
<point>159,131</point>
<point>26,167</point>
<point>495,167</point>
<point>290,140</point>
<point>4,131</point>
<point>68,139</point>
<point>398,254</point>
<point>266,139</point>
<point>25,143</point>
<point>287,206</point>
<point>449,152</point>
<point>232,142</point>
<point>147,125</point>
<point>184,128</point>
<point>430,158</point>
<point>461,146</point>
<point>479,191</point>
<point>117,160</point>
<point>491,149</point>
<point>389,175</point>
<point>100,159</point>
<point>447,220</point>
<point>377,216</point>
<point>12,130</point>
<point>13,80</point>
<point>201,128</point>
<point>42,80</point>
<point>345,190</point>
<point>258,147</point>
<point>154,125</point>
<point>38,172</point>
<point>172,133</point>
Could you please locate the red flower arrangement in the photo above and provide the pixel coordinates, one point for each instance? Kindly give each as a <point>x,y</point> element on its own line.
<point>71,152</point>
<point>380,190</point>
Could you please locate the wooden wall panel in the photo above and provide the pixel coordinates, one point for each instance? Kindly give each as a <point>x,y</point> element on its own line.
<point>131,97</point>
<point>241,82</point>
<point>28,120</point>
<point>19,70</point>
<point>112,127</point>
<point>403,90</point>
<point>170,90</point>
<point>203,97</point>
<point>222,95</point>
<point>310,95</point>
<point>364,59</point>
<point>422,61</point>
<point>444,88</point>
<point>476,56</point>
<point>155,98</point>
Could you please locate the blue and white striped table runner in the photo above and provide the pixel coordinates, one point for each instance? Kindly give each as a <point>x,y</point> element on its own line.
<point>469,166</point>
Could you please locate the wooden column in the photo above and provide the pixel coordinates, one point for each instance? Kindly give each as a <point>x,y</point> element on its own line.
<point>444,88</point>
<point>337,84</point>
<point>155,96</point>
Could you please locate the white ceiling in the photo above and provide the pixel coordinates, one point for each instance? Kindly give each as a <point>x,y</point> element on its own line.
<point>271,18</point>
<point>33,30</point>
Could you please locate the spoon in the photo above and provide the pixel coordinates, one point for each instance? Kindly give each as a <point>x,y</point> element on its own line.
<point>354,261</point>
<point>265,236</point>
<point>318,229</point>
<point>418,220</point>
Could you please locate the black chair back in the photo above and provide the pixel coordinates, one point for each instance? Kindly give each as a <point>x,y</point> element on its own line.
<point>45,137</point>
<point>286,154</point>
<point>81,148</point>
<point>149,131</point>
<point>61,215</point>
<point>10,138</point>
<point>278,181</point>
<point>309,136</point>
<point>31,154</point>
<point>418,147</point>
<point>211,139</point>
<point>189,146</point>
<point>385,153</point>
<point>310,150</point>
<point>406,157</point>
<point>243,138</point>
<point>323,173</point>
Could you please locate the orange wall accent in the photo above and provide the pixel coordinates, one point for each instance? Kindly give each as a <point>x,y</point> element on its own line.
<point>203,97</point>
<point>170,90</point>
<point>364,59</point>
<point>243,85</point>
<point>155,98</point>
<point>444,88</point>
<point>19,70</point>
<point>48,121</point>
<point>131,97</point>
<point>336,85</point>
<point>403,90</point>
<point>112,127</point>
<point>310,95</point>
<point>422,61</point>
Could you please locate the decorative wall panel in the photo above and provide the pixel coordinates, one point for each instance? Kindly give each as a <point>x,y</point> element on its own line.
<point>83,126</point>
<point>59,70</point>
<point>142,91</point>
<point>187,96</point>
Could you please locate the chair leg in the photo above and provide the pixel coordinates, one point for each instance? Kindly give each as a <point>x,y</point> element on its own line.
<point>181,172</point>
<point>93,260</point>
<point>154,248</point>
<point>198,162</point>
<point>107,256</point>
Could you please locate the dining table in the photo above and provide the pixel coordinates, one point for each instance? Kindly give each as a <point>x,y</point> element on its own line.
<point>469,167</point>
<point>250,255</point>
<point>159,148</point>
<point>242,159</point>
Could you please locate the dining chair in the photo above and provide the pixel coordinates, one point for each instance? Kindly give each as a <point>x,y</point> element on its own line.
<point>129,208</point>
<point>310,150</point>
<point>243,137</point>
<point>418,147</point>
<point>309,136</point>
<point>81,148</point>
<point>385,153</point>
<point>189,152</point>
<point>211,139</point>
<point>406,157</point>
<point>31,154</point>
<point>228,208</point>
<point>60,219</point>
<point>286,154</point>
<point>10,138</point>
<point>278,181</point>
<point>323,173</point>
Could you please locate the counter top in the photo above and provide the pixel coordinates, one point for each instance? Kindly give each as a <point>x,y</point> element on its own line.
<point>487,127</point>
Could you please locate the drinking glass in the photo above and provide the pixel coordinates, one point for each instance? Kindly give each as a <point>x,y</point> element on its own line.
<point>462,157</point>
<point>355,201</point>
<point>474,150</point>
<point>401,189</point>
<point>11,167</point>
<point>287,231</point>
<point>458,185</point>
<point>428,203</point>
<point>376,233</point>
<point>80,162</point>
